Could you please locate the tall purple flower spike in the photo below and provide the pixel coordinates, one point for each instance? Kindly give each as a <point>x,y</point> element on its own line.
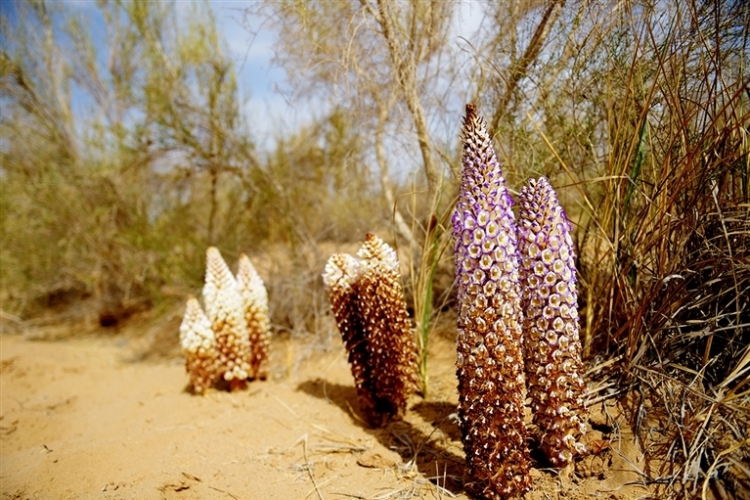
<point>553,355</point>
<point>490,363</point>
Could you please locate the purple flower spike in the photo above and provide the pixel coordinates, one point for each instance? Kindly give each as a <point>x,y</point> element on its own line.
<point>490,364</point>
<point>553,348</point>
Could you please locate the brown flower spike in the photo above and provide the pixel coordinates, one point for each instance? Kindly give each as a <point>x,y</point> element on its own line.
<point>255,308</point>
<point>198,346</point>
<point>553,355</point>
<point>368,304</point>
<point>223,304</point>
<point>490,363</point>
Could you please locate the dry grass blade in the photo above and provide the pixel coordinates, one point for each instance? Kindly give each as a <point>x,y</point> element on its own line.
<point>665,236</point>
<point>743,366</point>
<point>309,467</point>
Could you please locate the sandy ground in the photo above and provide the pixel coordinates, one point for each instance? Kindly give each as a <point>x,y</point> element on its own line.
<point>81,419</point>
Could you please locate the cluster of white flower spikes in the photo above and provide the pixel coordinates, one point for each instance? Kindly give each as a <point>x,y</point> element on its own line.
<point>233,334</point>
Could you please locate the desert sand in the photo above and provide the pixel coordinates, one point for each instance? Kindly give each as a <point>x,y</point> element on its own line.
<point>90,418</point>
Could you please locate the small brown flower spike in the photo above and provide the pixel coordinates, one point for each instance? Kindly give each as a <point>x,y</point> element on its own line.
<point>368,304</point>
<point>393,351</point>
<point>340,277</point>
<point>198,346</point>
<point>224,310</point>
<point>553,355</point>
<point>255,306</point>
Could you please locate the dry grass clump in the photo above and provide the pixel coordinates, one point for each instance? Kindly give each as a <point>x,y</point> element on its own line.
<point>664,247</point>
<point>693,361</point>
<point>368,304</point>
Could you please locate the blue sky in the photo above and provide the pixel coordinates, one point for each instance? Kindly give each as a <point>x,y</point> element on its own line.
<point>259,76</point>
<point>260,80</point>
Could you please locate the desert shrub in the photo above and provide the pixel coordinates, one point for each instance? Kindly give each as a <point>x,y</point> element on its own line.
<point>117,176</point>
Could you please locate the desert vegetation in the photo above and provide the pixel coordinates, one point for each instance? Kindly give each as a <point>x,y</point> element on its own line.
<point>120,163</point>
<point>367,301</point>
<point>490,341</point>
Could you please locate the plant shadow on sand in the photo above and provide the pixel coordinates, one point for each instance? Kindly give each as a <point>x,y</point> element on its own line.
<point>430,444</point>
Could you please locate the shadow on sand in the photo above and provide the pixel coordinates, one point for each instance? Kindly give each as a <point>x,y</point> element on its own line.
<point>428,446</point>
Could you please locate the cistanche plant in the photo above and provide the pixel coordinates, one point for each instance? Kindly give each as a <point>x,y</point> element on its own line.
<point>198,345</point>
<point>551,326</point>
<point>255,308</point>
<point>490,361</point>
<point>230,340</point>
<point>368,304</point>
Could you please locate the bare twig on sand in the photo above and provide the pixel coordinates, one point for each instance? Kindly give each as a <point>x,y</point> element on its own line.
<point>222,491</point>
<point>309,466</point>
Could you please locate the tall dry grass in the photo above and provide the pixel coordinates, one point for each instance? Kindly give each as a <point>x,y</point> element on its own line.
<point>652,156</point>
